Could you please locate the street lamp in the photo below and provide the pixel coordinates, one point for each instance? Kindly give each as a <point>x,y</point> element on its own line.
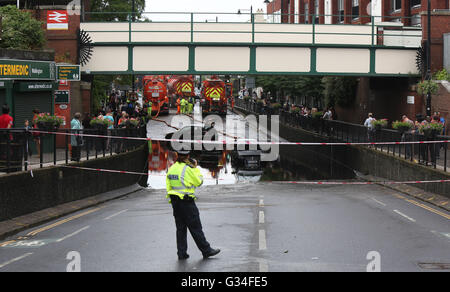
<point>251,12</point>
<point>428,76</point>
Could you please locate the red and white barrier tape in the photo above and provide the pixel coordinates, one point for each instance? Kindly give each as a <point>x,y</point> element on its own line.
<point>280,182</point>
<point>245,141</point>
<point>122,172</point>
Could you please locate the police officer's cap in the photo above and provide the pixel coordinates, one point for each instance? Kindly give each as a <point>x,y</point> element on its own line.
<point>183,152</point>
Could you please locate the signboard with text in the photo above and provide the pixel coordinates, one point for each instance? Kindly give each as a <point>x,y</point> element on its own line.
<point>62,96</point>
<point>24,69</point>
<point>68,72</point>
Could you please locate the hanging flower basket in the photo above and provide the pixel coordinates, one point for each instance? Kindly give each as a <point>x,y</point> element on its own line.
<point>100,124</point>
<point>47,122</point>
<point>431,130</point>
<point>380,124</point>
<point>402,127</point>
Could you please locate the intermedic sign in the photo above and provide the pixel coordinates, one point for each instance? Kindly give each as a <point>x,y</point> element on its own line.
<point>24,69</point>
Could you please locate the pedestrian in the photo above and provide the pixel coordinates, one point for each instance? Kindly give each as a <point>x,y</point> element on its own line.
<point>6,121</point>
<point>182,180</point>
<point>76,141</point>
<point>370,127</point>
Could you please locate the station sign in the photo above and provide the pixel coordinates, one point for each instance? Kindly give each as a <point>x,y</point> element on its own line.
<point>68,72</point>
<point>24,69</point>
<point>57,20</point>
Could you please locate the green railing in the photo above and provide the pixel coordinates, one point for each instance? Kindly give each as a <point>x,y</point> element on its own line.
<point>254,20</point>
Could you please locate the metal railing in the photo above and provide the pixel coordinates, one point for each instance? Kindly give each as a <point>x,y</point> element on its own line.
<point>379,28</point>
<point>435,155</point>
<point>18,147</point>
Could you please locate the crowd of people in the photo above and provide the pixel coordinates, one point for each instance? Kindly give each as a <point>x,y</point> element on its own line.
<point>427,152</point>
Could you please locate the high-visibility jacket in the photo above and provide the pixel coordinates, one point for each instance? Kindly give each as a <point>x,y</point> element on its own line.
<point>149,109</point>
<point>182,180</point>
<point>184,106</point>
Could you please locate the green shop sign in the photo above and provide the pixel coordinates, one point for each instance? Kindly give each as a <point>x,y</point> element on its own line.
<point>28,70</point>
<point>68,72</point>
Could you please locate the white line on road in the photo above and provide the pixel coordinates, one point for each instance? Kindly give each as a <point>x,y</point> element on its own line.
<point>261,203</point>
<point>263,266</point>
<point>262,240</point>
<point>15,260</point>
<point>73,234</point>
<point>116,214</point>
<point>406,216</point>
<point>381,203</point>
<point>261,217</point>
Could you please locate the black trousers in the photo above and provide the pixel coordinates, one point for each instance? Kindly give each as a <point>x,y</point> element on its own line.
<point>187,217</point>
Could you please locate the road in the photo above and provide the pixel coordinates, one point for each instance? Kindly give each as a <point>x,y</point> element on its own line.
<point>259,227</point>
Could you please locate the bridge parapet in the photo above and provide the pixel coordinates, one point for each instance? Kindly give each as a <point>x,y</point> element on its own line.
<point>190,47</point>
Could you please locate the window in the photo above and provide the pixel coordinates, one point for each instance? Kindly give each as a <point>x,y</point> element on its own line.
<point>396,5</point>
<point>316,10</point>
<point>341,10</point>
<point>416,20</point>
<point>415,3</point>
<point>306,13</point>
<point>355,9</point>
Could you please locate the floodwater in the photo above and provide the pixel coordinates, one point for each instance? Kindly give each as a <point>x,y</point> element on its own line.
<point>232,167</point>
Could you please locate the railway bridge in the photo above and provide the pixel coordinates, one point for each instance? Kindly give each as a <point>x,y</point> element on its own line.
<point>252,47</point>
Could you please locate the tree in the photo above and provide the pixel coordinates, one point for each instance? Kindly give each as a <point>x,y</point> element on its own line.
<point>339,90</point>
<point>20,30</point>
<point>116,10</point>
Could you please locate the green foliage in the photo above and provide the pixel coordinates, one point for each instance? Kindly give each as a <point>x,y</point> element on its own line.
<point>275,106</point>
<point>380,124</point>
<point>99,86</point>
<point>339,90</point>
<point>402,126</point>
<point>442,75</point>
<point>46,118</point>
<point>101,122</point>
<point>292,85</point>
<point>116,10</point>
<point>427,86</point>
<point>317,115</point>
<point>431,129</point>
<point>20,30</point>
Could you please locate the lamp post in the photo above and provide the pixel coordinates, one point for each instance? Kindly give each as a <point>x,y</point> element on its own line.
<point>251,12</point>
<point>428,76</point>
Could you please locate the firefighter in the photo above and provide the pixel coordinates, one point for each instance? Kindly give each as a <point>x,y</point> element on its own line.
<point>149,109</point>
<point>182,180</point>
<point>191,105</point>
<point>178,106</point>
<point>184,105</point>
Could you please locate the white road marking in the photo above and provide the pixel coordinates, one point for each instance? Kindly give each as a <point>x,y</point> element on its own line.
<point>15,260</point>
<point>262,240</point>
<point>379,202</point>
<point>73,234</point>
<point>263,266</point>
<point>406,216</point>
<point>261,217</point>
<point>116,214</point>
<point>261,202</point>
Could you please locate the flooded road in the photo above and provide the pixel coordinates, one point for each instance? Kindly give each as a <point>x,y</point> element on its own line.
<point>236,166</point>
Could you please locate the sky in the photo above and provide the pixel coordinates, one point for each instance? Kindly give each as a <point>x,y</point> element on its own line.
<point>221,6</point>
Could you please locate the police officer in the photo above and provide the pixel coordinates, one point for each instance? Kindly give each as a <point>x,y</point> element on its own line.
<point>182,180</point>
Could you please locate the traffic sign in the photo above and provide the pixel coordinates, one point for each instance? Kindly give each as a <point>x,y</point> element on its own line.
<point>68,72</point>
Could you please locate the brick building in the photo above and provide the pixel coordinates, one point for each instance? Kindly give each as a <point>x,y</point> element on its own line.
<point>386,97</point>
